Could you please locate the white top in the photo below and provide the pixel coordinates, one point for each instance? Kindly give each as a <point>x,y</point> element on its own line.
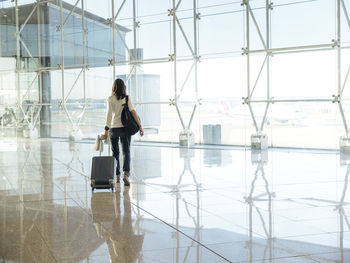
<point>114,111</point>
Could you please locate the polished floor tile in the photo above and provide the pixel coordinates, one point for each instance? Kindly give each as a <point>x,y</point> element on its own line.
<point>183,205</point>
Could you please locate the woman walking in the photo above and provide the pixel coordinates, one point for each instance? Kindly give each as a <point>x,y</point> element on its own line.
<point>115,105</point>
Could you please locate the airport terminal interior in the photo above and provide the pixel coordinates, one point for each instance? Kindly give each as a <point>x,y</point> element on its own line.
<point>245,108</point>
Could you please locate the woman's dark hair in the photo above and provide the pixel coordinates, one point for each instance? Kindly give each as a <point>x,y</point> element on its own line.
<point>119,89</point>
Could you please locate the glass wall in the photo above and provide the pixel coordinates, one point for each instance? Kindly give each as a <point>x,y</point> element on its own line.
<point>220,69</point>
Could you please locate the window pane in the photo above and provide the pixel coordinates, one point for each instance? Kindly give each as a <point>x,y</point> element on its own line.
<point>221,29</point>
<point>302,23</point>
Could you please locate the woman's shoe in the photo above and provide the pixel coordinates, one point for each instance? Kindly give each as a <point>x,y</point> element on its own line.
<point>126,179</point>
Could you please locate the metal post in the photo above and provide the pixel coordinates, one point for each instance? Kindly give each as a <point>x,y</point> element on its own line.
<point>134,57</point>
<point>63,103</point>
<point>247,47</point>
<point>343,118</point>
<point>195,50</point>
<point>267,62</point>
<point>268,47</point>
<point>338,42</point>
<point>113,40</point>
<point>83,33</point>
<point>248,61</point>
<point>45,82</point>
<point>174,51</point>
<point>1,45</point>
<point>18,58</point>
<point>133,54</point>
<point>338,48</point>
<point>39,73</point>
<point>62,53</point>
<point>39,51</point>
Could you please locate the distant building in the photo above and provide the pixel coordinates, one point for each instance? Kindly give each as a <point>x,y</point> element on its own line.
<point>98,38</point>
<point>40,46</point>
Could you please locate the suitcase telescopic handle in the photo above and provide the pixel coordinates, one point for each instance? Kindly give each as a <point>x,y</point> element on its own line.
<point>101,138</point>
<point>109,145</point>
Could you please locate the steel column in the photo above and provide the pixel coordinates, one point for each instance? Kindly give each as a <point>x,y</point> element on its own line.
<point>133,54</point>
<point>83,35</point>
<point>62,52</point>
<point>174,49</point>
<point>113,38</point>
<point>338,48</point>
<point>18,57</point>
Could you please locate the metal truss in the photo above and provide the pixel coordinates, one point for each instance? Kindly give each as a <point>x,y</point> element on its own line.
<point>84,67</point>
<point>334,44</point>
<point>31,117</point>
<point>173,58</point>
<point>176,24</point>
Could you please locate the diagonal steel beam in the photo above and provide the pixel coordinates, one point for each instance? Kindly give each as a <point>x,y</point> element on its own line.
<point>345,13</point>
<point>257,79</point>
<point>37,116</point>
<point>126,46</point>
<point>345,81</point>
<point>68,115</point>
<point>133,68</point>
<point>253,117</point>
<point>81,115</point>
<point>70,13</point>
<point>192,115</point>
<point>24,114</point>
<point>180,116</point>
<point>343,117</point>
<point>256,25</point>
<point>184,35</point>
<point>30,85</point>
<point>120,9</point>
<point>178,4</point>
<point>185,81</point>
<point>29,16</point>
<point>264,117</point>
<point>75,82</point>
<point>29,53</point>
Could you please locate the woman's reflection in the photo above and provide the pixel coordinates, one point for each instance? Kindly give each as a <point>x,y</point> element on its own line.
<point>116,227</point>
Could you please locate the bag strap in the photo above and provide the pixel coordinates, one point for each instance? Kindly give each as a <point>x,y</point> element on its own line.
<point>126,102</point>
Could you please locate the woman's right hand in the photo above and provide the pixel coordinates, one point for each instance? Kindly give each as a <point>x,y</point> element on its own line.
<point>141,131</point>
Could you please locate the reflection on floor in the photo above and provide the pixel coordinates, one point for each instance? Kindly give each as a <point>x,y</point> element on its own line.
<point>184,205</point>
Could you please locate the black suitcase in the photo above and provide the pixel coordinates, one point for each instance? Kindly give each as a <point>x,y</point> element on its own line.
<point>102,172</point>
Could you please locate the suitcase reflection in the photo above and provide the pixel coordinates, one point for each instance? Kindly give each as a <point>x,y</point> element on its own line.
<point>113,222</point>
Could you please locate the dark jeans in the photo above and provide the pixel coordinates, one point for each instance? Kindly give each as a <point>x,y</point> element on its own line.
<point>115,134</point>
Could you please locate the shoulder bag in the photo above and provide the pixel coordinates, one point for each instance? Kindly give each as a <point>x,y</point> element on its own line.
<point>128,120</point>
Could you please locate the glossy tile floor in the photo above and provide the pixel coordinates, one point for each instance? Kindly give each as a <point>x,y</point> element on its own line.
<point>183,205</point>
